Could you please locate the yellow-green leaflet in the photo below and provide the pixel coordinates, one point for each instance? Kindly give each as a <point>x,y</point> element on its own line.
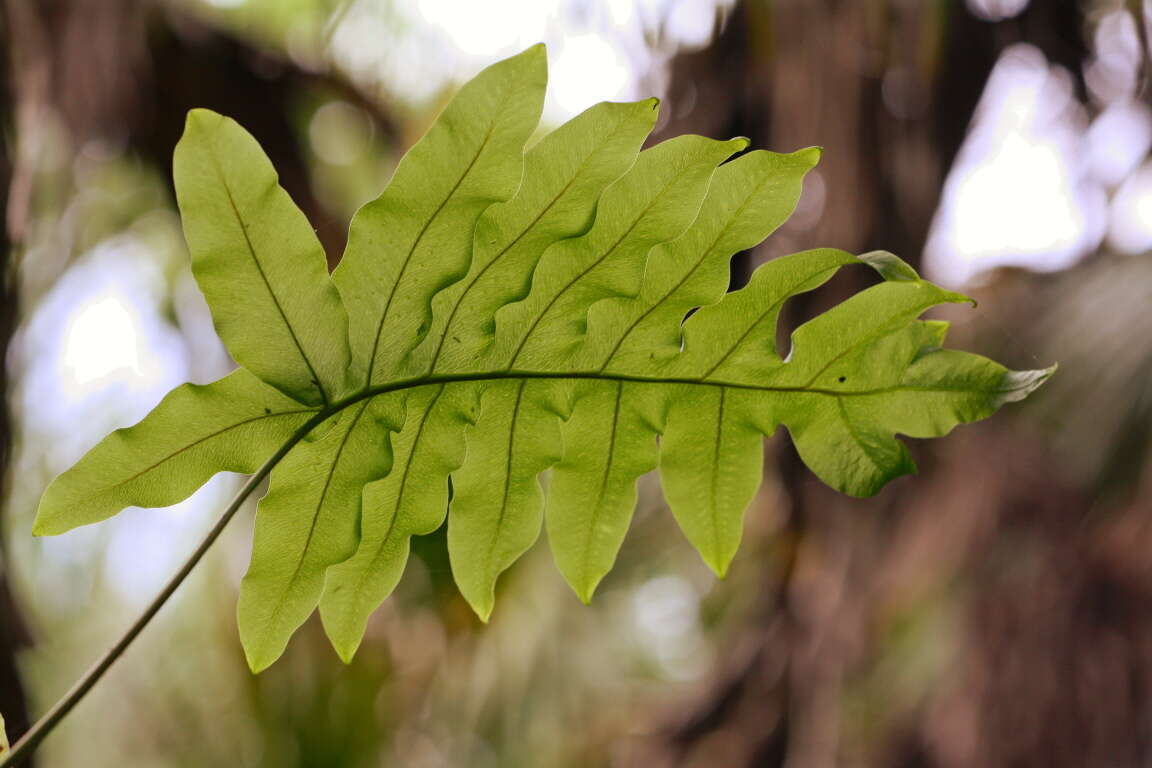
<point>500,314</point>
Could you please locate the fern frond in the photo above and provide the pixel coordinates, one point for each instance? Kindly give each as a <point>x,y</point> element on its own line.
<point>501,314</point>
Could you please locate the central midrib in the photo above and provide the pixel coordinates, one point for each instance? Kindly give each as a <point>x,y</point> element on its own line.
<point>521,375</point>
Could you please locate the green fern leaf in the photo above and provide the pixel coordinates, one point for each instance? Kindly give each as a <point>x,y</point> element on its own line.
<point>230,425</point>
<point>499,314</point>
<point>309,521</point>
<point>259,263</point>
<point>415,239</point>
<point>410,501</point>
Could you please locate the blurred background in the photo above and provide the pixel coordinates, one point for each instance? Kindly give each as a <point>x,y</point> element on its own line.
<point>995,610</point>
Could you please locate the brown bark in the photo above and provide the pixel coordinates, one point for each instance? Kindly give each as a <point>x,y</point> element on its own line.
<point>1049,665</point>
<point>125,73</point>
<point>13,633</point>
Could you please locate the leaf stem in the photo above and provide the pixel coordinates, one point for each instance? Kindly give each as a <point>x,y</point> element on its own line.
<point>46,724</point>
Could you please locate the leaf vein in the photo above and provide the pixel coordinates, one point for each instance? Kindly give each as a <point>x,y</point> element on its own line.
<point>584,273</point>
<point>864,447</point>
<point>400,492</point>
<point>769,310</point>
<point>264,277</point>
<point>209,436</point>
<point>416,244</point>
<point>598,506</point>
<point>716,471</point>
<point>695,267</point>
<point>507,476</point>
<point>500,255</point>
<point>339,452</point>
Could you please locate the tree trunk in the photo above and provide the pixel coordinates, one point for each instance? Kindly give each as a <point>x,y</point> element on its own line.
<point>986,612</point>
<point>13,634</point>
<point>126,72</point>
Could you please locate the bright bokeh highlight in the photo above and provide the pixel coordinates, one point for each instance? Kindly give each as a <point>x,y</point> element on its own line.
<point>1018,194</point>
<point>100,342</point>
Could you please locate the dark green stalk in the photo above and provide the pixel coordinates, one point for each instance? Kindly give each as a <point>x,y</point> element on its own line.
<point>46,724</point>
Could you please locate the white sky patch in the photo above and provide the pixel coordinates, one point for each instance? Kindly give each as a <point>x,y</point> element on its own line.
<point>491,27</point>
<point>997,10</point>
<point>145,545</point>
<point>690,22</point>
<point>1118,140</point>
<point>360,42</point>
<point>586,70</point>
<point>1113,71</point>
<point>1130,230</point>
<point>100,344</point>
<point>597,51</point>
<point>620,10</point>
<point>97,352</point>
<point>1018,193</point>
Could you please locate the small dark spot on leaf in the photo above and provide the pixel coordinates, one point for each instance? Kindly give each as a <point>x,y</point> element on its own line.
<point>267,410</point>
<point>456,339</point>
<point>842,379</point>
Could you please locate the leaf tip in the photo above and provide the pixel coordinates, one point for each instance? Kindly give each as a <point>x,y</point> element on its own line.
<point>585,592</point>
<point>482,607</point>
<point>534,60</point>
<point>200,119</point>
<point>1017,385</point>
<point>260,649</point>
<point>257,662</point>
<point>809,156</point>
<point>344,640</point>
<point>346,651</point>
<point>44,524</point>
<point>960,298</point>
<point>719,566</point>
<point>890,266</point>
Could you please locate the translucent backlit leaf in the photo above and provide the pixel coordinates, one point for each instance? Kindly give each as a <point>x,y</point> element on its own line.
<point>502,314</point>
